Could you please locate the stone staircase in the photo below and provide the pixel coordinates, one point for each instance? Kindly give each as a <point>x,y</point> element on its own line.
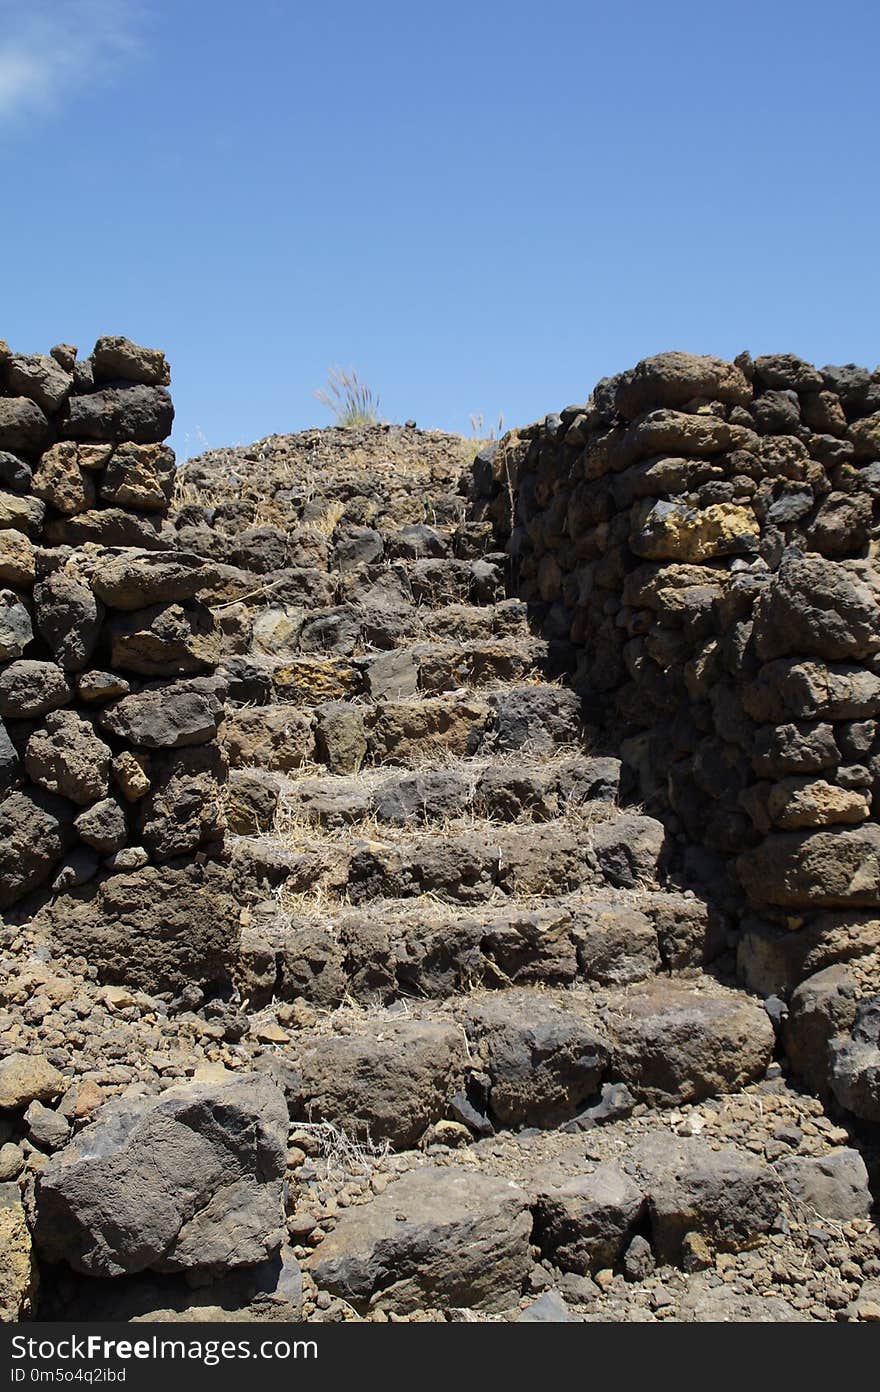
<point>432,855</point>
<point>521,1079</point>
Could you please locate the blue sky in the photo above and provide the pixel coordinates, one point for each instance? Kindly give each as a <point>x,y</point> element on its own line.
<point>483,207</point>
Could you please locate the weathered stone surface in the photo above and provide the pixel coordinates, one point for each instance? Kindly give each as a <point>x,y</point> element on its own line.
<point>30,688</point>
<point>673,379</point>
<point>165,641</point>
<point>35,831</point>
<point>143,414</point>
<point>773,960</point>
<point>65,756</point>
<point>157,928</point>
<point>191,1180</point>
<point>269,737</point>
<point>630,850</point>
<point>340,736</point>
<point>103,826</point>
<point>26,1078</point>
<point>183,809</point>
<point>16,630</point>
<point>543,1062</point>
<point>10,763</point>
<point>585,1223</point>
<point>819,608</point>
<point>116,359</point>
<point>727,1195</point>
<point>39,377</point>
<point>829,1186</point>
<point>14,473</point>
<point>812,802</point>
<point>438,1236</point>
<point>23,426</point>
<point>69,618</point>
<point>821,1007</point>
<point>109,527</point>
<point>62,482</point>
<point>673,1043</point>
<point>140,477</point>
<point>18,1271</point>
<point>824,869</point>
<point>16,558</point>
<point>390,1085</point>
<point>21,514</point>
<point>675,532</point>
<point>855,1063</point>
<point>137,579</point>
<point>167,717</point>
<point>534,718</point>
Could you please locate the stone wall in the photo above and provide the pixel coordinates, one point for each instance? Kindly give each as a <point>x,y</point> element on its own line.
<point>109,701</point>
<point>704,533</point>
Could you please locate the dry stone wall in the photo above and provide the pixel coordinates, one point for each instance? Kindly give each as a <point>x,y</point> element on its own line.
<point>109,699</point>
<point>704,533</point>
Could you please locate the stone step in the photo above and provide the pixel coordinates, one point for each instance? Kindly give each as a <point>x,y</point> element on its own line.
<point>524,1056</point>
<point>386,950</point>
<point>499,790</point>
<point>470,863</point>
<point>537,719</point>
<point>396,674</point>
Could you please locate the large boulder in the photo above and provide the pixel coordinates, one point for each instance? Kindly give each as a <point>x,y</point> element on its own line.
<point>814,870</point>
<point>831,1186</point>
<point>673,379</point>
<point>543,1061</point>
<point>143,414</point>
<point>726,1195</point>
<point>156,928</point>
<point>828,609</point>
<point>65,756</point>
<point>586,1222</point>
<point>191,1180</point>
<point>166,717</point>
<point>387,1085</point>
<point>36,828</point>
<point>675,1043</point>
<point>137,579</point>
<point>439,1237</point>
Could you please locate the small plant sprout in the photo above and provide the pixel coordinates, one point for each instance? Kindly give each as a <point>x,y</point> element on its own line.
<point>348,399</point>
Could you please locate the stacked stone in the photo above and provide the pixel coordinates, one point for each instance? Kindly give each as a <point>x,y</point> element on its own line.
<point>705,534</point>
<point>109,701</point>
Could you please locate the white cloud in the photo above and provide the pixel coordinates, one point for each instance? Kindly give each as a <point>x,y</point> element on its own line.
<point>50,48</point>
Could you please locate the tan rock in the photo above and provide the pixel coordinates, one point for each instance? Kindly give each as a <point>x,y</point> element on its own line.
<point>25,1077</point>
<point>131,776</point>
<point>678,533</point>
<point>60,480</point>
<point>18,1272</point>
<point>16,558</point>
<point>798,802</point>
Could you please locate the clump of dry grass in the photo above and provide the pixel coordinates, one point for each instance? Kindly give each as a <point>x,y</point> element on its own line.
<point>348,399</point>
